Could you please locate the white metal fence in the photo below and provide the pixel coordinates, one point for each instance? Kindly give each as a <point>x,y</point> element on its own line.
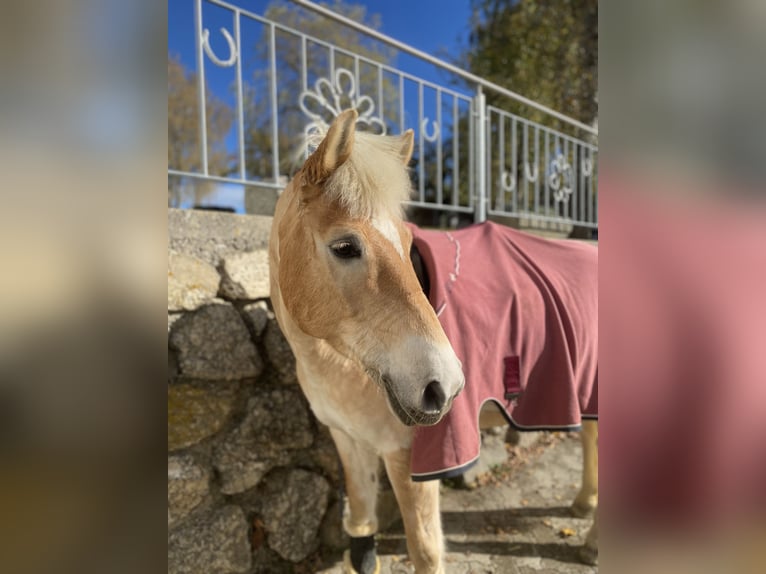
<point>470,157</point>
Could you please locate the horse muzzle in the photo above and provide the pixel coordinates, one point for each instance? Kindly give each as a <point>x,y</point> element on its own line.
<point>425,408</point>
<point>421,378</point>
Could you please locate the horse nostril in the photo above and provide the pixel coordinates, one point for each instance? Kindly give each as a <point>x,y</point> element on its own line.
<point>433,398</point>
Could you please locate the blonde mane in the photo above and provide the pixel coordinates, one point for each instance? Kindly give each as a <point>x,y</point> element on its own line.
<point>374,179</point>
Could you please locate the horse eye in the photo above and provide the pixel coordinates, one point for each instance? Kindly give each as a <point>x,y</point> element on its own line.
<point>346,249</point>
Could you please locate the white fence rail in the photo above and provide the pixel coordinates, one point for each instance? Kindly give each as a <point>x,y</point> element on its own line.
<point>470,157</point>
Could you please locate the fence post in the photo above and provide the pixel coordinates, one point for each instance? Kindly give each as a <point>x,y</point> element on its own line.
<point>201,85</point>
<point>480,161</point>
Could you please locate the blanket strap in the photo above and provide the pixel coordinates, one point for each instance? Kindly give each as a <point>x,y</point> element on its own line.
<point>512,378</point>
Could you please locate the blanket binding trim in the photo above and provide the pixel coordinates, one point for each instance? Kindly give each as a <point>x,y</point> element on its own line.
<point>459,469</point>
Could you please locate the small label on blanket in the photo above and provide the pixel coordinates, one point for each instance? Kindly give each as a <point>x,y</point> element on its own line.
<point>512,378</point>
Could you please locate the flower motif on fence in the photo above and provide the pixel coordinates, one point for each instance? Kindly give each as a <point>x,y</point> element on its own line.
<point>328,99</point>
<point>560,178</point>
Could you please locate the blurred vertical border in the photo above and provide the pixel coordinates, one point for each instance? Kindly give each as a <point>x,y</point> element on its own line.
<point>83,253</point>
<point>681,286</point>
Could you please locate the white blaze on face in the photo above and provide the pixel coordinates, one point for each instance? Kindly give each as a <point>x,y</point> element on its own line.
<point>387,228</point>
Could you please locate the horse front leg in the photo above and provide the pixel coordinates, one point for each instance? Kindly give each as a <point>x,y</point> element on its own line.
<point>419,504</point>
<point>586,501</point>
<point>589,551</point>
<point>360,469</point>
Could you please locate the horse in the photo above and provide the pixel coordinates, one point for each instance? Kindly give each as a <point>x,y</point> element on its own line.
<point>371,356</point>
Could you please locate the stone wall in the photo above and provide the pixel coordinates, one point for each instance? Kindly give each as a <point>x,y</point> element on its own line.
<point>252,477</point>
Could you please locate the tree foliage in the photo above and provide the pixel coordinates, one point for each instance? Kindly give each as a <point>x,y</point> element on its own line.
<point>184,135</point>
<point>546,50</point>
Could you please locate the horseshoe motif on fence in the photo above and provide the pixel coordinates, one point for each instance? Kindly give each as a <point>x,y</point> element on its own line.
<point>424,130</point>
<point>508,181</point>
<point>531,174</point>
<point>233,49</point>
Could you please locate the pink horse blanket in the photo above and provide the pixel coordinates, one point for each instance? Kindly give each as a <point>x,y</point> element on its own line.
<point>521,313</point>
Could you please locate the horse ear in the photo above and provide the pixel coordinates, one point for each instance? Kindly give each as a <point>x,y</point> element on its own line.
<point>334,150</point>
<point>408,145</point>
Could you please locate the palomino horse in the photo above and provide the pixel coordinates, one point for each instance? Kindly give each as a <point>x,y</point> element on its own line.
<point>371,356</point>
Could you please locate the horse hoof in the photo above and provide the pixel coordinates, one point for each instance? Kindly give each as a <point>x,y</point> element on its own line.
<point>348,568</point>
<point>588,555</point>
<point>582,510</point>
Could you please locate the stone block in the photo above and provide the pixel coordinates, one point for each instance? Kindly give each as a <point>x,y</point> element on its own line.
<point>191,282</point>
<point>196,413</point>
<point>172,318</point>
<point>214,543</point>
<point>276,422</point>
<point>279,418</point>
<point>258,316</point>
<point>188,487</point>
<point>295,501</point>
<point>211,236</point>
<point>214,343</point>
<point>245,275</point>
<point>279,353</point>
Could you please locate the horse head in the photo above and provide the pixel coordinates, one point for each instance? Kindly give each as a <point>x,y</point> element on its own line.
<point>345,274</point>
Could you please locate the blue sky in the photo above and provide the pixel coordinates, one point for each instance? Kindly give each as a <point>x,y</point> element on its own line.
<point>438,27</point>
<point>429,25</point>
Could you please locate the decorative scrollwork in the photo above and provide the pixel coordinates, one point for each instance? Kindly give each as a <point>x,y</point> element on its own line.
<point>233,48</point>
<point>508,181</point>
<point>424,130</point>
<point>560,178</point>
<point>328,99</point>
